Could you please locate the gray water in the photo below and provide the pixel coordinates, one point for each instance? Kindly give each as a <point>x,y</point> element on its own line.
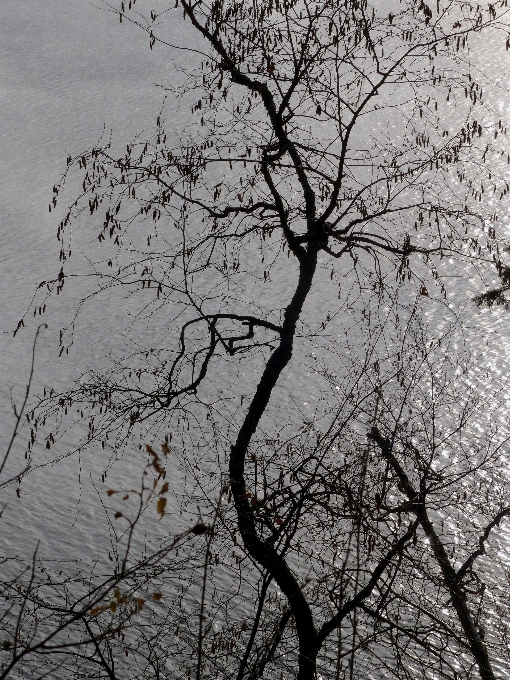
<point>68,72</point>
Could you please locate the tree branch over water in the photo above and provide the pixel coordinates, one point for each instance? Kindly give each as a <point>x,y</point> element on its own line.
<point>279,250</point>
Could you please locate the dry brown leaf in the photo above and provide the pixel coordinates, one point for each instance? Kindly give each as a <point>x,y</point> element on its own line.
<point>97,610</point>
<point>160,507</point>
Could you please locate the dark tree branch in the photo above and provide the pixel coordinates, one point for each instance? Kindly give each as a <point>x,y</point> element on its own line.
<point>451,579</point>
<point>368,588</point>
<point>481,542</point>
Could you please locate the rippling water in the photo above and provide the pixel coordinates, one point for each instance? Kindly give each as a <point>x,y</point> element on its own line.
<point>69,71</point>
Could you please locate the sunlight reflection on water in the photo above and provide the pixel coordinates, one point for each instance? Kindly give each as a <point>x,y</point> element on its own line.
<point>68,70</point>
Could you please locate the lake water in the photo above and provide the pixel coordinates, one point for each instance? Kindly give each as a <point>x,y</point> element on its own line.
<point>69,70</point>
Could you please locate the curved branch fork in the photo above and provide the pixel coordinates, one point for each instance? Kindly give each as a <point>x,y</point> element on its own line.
<point>229,342</point>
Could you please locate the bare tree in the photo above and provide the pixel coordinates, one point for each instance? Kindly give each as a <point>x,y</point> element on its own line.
<point>331,181</point>
<point>69,619</point>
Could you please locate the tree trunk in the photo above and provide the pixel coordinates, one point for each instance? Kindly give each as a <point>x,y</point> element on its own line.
<point>261,551</point>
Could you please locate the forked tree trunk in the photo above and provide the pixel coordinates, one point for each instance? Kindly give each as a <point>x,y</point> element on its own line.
<point>451,578</point>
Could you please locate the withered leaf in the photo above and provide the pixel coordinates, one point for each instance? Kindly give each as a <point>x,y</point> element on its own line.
<point>160,507</point>
<point>97,610</point>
